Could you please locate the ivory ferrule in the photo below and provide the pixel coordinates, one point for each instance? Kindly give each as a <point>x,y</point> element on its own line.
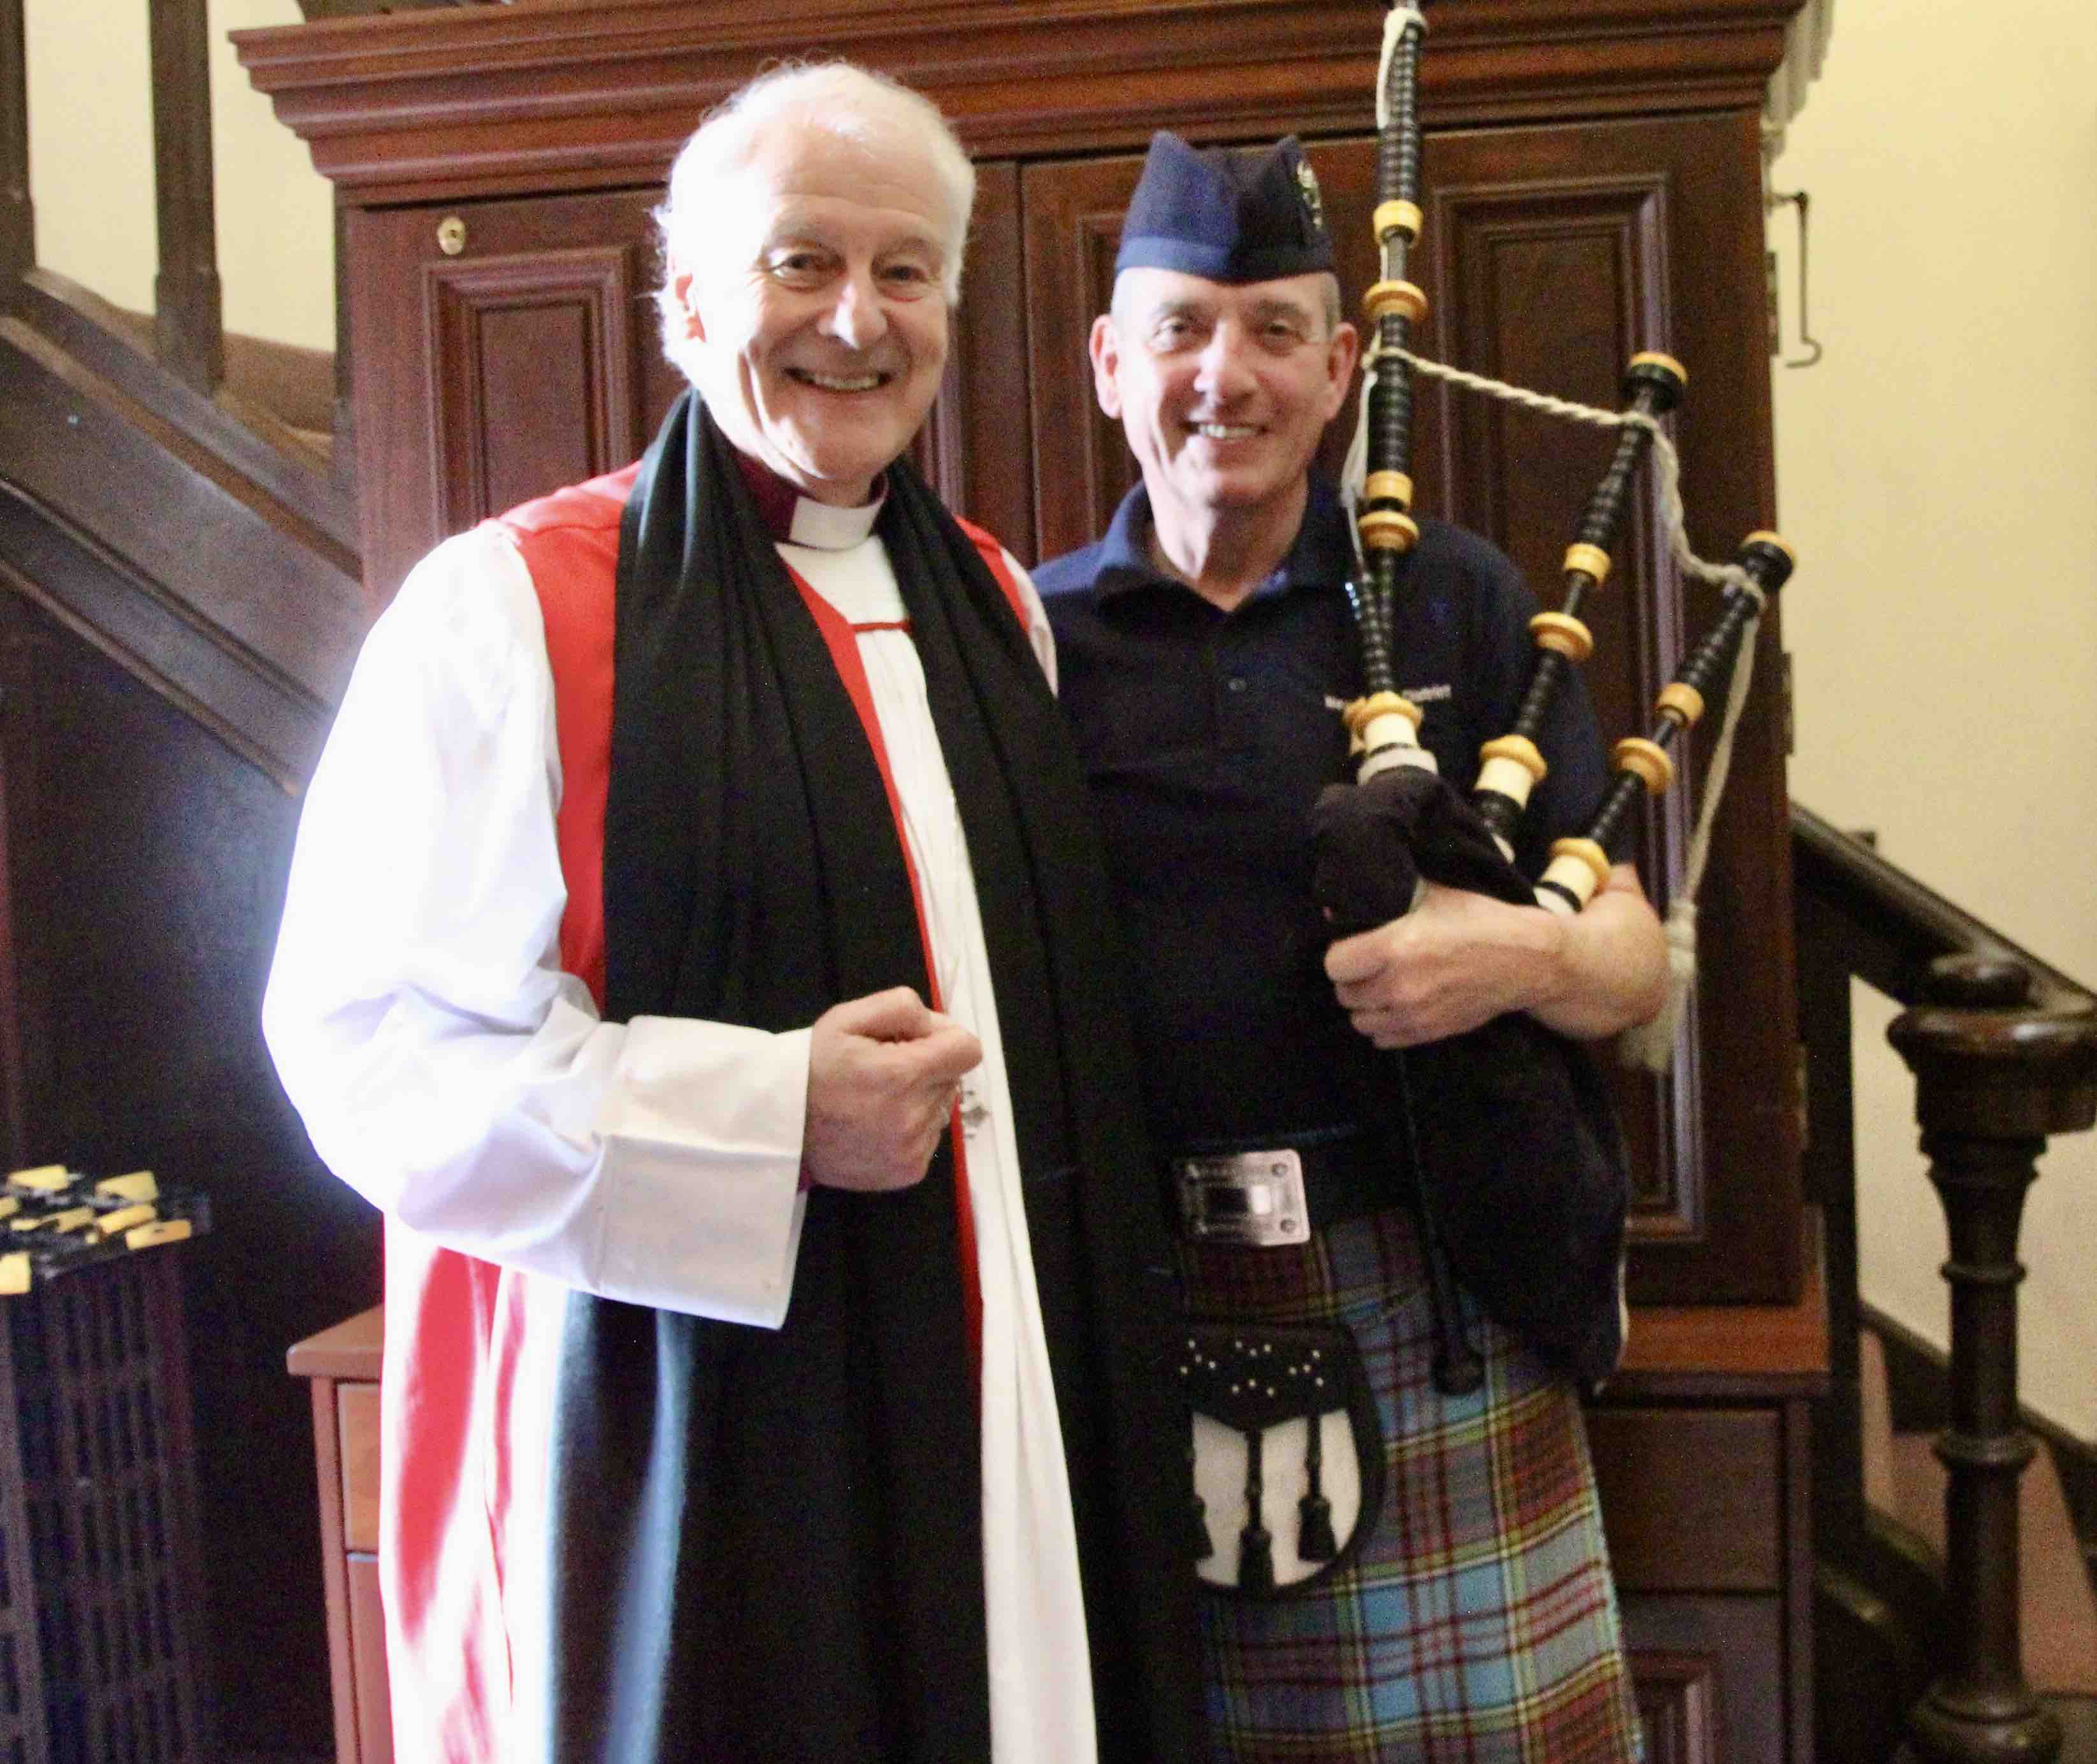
<point>1507,777</point>
<point>1660,359</point>
<point>1388,530</point>
<point>1361,715</point>
<point>1685,704</point>
<point>1564,634</point>
<point>1647,761</point>
<point>1388,486</point>
<point>1578,866</point>
<point>1518,750</point>
<point>1395,299</point>
<point>1589,560</point>
<point>1397,216</point>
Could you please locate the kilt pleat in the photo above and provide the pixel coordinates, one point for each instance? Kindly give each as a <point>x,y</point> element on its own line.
<point>1477,1624</point>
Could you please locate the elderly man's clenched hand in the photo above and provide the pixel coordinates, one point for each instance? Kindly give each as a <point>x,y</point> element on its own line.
<point>883,1073</point>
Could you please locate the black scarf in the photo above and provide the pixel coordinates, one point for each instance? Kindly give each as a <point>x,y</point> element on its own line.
<point>767,1544</point>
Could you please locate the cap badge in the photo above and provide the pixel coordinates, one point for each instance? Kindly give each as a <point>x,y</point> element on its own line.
<point>1307,180</point>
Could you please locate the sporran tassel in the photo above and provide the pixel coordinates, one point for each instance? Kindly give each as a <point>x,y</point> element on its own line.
<point>1315,1542</point>
<point>1255,1543</point>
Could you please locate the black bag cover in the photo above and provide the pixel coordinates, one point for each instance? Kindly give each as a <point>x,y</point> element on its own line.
<point>1520,1160</point>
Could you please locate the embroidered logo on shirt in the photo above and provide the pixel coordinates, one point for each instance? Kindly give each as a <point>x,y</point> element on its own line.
<point>1434,694</point>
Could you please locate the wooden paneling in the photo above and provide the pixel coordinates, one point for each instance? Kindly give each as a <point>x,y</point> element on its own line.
<point>1691,1500</point>
<point>533,367</point>
<point>1736,1647</point>
<point>502,99</point>
<point>977,448</point>
<point>535,361</point>
<point>1678,1703</point>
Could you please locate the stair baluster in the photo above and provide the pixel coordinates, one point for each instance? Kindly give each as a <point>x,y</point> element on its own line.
<point>1995,1075</point>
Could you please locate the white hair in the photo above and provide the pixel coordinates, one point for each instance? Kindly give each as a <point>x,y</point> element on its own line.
<point>853,102</point>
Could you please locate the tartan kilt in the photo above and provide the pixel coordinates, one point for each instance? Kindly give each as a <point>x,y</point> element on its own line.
<point>1477,1622</point>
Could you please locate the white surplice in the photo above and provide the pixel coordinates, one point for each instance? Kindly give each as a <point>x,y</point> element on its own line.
<point>448,1069</point>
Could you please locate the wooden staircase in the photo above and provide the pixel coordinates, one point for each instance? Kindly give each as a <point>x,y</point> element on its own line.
<point>1904,1482</point>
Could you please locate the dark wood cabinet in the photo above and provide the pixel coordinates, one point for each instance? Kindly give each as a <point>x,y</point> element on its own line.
<point>1592,189</point>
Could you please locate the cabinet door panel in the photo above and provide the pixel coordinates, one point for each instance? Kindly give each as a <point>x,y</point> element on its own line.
<point>1709,1676</point>
<point>538,362</point>
<point>1552,256</point>
<point>533,374</point>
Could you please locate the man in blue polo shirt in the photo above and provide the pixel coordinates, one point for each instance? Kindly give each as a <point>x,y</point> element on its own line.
<point>1206,645</point>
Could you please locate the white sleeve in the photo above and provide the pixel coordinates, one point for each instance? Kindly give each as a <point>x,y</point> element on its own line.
<point>445,1067</point>
<point>1037,633</point>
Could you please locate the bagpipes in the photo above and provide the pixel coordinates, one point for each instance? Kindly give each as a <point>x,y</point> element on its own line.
<point>1522,1188</point>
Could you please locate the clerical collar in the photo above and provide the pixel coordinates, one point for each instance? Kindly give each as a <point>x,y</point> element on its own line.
<point>794,519</point>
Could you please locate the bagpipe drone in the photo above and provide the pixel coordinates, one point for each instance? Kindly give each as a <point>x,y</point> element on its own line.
<point>1522,1190</point>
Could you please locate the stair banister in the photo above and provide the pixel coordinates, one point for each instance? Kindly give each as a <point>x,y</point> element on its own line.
<point>2003,1049</point>
<point>1996,1074</point>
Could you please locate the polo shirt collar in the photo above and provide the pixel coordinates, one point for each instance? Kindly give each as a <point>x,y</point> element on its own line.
<point>1321,556</point>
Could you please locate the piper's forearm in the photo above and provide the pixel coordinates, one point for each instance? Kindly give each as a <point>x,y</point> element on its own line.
<point>1610,968</point>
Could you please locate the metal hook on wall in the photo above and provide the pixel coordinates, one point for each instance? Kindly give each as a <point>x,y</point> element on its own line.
<point>1801,201</point>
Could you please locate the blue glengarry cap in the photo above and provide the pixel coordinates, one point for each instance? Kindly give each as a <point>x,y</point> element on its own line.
<point>1225,215</point>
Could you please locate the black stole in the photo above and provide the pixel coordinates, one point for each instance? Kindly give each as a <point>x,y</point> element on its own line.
<point>767,1545</point>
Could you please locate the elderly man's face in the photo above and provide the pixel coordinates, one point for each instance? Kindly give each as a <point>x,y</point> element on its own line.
<point>818,309</point>
<point>1223,389</point>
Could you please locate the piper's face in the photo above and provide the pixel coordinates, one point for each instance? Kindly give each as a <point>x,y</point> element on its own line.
<point>817,305</point>
<point>1223,390</point>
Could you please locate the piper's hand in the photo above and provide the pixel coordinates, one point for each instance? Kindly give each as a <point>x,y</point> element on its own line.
<point>883,1073</point>
<point>1456,961</point>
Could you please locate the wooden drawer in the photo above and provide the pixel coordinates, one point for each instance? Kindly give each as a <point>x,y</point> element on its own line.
<point>1693,1499</point>
<point>357,1417</point>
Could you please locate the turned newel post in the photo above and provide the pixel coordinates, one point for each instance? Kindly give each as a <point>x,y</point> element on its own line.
<point>1994,1075</point>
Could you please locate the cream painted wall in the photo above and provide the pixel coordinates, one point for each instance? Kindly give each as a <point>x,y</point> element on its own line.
<point>91,144</point>
<point>1938,474</point>
<point>91,170</point>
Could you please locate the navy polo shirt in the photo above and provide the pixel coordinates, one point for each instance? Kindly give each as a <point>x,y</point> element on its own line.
<point>1207,736</point>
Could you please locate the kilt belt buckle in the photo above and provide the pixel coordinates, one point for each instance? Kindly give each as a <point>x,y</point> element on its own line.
<point>1255,1199</point>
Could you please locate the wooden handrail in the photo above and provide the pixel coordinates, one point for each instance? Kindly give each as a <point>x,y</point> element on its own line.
<point>2003,1049</point>
<point>1894,927</point>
